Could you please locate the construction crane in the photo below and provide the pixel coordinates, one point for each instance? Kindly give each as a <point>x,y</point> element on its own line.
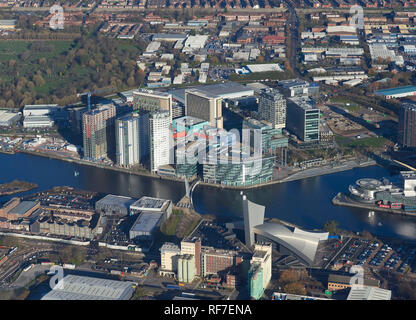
<point>91,92</point>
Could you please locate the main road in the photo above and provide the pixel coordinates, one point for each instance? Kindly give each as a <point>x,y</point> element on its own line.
<point>293,46</point>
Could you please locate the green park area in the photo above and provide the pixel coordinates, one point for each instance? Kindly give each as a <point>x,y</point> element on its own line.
<point>55,71</point>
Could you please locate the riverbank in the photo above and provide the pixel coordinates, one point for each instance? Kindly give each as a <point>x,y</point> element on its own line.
<point>342,199</point>
<point>16,186</point>
<point>304,174</point>
<point>102,166</point>
<point>308,173</point>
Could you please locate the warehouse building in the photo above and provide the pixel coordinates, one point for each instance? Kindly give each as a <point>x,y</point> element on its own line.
<point>398,92</point>
<point>151,205</point>
<point>8,118</point>
<point>145,226</point>
<point>38,122</point>
<point>73,287</point>
<point>114,205</point>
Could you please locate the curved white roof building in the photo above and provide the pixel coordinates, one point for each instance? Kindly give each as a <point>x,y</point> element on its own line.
<point>302,244</point>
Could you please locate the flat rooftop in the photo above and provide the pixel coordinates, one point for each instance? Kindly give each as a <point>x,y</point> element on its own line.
<point>114,200</point>
<point>146,203</point>
<point>223,90</point>
<point>397,90</point>
<point>89,288</point>
<point>146,222</point>
<point>304,103</point>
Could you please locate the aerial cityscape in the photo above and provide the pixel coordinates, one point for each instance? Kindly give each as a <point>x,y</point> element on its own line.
<point>208,150</point>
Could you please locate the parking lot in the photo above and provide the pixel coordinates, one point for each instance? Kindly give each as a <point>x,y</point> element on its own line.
<point>378,255</point>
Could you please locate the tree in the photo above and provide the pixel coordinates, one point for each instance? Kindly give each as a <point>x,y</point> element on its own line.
<point>331,226</point>
<point>295,288</point>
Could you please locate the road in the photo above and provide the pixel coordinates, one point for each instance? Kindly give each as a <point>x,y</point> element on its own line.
<point>293,48</point>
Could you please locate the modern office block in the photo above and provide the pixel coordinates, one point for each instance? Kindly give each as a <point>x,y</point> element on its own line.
<point>303,118</point>
<point>204,106</point>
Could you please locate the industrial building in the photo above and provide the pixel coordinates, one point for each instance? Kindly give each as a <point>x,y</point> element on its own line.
<point>161,146</point>
<point>145,225</point>
<point>132,139</point>
<point>266,67</point>
<point>15,209</point>
<point>169,37</point>
<point>407,125</point>
<point>272,108</point>
<point>98,131</point>
<point>303,118</point>
<point>151,212</point>
<point>114,205</point>
<point>73,287</point>
<point>8,118</point>
<point>186,268</point>
<point>81,229</point>
<point>398,92</point>
<point>152,205</point>
<point>30,110</point>
<point>38,122</point>
<point>205,106</point>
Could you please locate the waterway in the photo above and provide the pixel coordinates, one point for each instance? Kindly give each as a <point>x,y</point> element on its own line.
<point>306,202</point>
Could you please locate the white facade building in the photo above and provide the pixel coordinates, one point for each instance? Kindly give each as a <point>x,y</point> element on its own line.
<point>160,136</point>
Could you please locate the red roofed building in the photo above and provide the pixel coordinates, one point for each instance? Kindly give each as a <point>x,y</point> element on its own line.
<point>272,39</point>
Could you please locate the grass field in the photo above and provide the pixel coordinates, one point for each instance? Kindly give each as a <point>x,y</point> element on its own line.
<point>371,142</point>
<point>11,49</point>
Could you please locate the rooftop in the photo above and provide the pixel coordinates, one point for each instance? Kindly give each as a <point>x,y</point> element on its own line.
<point>23,207</point>
<point>89,288</point>
<point>146,221</point>
<point>368,293</point>
<point>114,200</point>
<point>146,203</point>
<point>397,90</point>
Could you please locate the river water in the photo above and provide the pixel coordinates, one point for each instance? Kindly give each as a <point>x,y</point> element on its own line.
<point>306,203</point>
